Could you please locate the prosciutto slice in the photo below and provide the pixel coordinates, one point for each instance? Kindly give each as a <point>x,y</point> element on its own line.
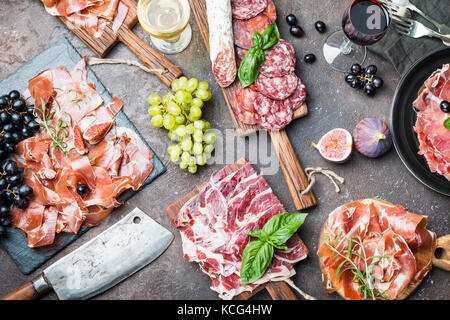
<point>395,236</point>
<point>90,15</point>
<point>214,226</point>
<point>434,138</point>
<point>119,162</point>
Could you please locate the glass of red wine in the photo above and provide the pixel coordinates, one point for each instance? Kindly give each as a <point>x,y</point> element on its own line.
<point>364,23</point>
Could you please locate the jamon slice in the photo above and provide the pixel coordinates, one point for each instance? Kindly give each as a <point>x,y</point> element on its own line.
<point>433,137</point>
<point>214,226</point>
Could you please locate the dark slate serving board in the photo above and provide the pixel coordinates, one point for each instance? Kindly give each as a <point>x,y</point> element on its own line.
<point>59,53</point>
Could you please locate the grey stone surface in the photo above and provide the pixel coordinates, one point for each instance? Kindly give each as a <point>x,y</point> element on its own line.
<point>26,29</point>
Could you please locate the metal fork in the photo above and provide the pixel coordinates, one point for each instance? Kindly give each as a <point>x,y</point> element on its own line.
<point>415,29</point>
<point>400,7</point>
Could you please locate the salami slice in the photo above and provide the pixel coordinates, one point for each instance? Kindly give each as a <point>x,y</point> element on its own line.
<point>243,30</point>
<point>270,11</point>
<point>272,114</point>
<point>240,54</point>
<point>247,9</point>
<point>280,60</point>
<point>243,101</point>
<point>296,100</point>
<point>278,88</point>
<point>221,41</point>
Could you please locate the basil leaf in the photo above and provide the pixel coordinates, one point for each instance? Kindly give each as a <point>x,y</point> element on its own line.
<point>257,40</point>
<point>447,123</point>
<point>258,233</point>
<point>255,260</point>
<point>249,68</point>
<point>270,36</point>
<point>282,226</point>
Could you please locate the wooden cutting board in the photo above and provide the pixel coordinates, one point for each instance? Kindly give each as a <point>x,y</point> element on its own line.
<point>290,165</point>
<point>279,290</point>
<point>101,45</point>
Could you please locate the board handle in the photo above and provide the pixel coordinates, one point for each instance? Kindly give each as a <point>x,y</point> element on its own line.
<point>280,290</point>
<point>152,58</point>
<point>292,170</point>
<point>443,262</point>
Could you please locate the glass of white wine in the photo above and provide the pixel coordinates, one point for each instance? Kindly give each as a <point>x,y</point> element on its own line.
<point>167,22</point>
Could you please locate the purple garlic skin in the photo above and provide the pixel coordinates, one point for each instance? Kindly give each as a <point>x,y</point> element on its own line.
<point>372,137</point>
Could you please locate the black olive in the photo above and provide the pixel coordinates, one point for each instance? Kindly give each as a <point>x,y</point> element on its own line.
<point>296,31</point>
<point>320,26</point>
<point>11,168</point>
<point>20,202</point>
<point>25,190</point>
<point>19,105</point>
<point>3,103</point>
<point>5,117</point>
<point>82,189</point>
<point>310,58</point>
<point>4,211</point>
<point>291,20</point>
<point>445,106</point>
<point>5,222</point>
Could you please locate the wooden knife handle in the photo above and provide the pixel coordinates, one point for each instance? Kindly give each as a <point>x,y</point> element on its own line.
<point>295,176</point>
<point>30,290</point>
<point>443,262</point>
<point>152,58</point>
<point>280,290</point>
<point>25,292</point>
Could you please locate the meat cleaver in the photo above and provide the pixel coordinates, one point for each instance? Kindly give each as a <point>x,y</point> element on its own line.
<point>112,256</point>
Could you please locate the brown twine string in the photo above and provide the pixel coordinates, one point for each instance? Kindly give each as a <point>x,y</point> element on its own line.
<point>94,61</point>
<point>310,172</point>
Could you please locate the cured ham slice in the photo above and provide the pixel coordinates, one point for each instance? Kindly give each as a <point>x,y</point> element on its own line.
<point>214,226</point>
<point>90,15</point>
<point>434,138</point>
<point>120,161</point>
<point>397,240</point>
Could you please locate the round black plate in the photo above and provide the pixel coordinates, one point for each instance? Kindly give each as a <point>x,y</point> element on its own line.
<point>403,119</point>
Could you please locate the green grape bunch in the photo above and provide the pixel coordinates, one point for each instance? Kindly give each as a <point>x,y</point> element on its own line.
<point>181,114</point>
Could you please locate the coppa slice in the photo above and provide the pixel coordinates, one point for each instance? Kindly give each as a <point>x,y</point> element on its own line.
<point>243,101</point>
<point>246,9</point>
<point>243,30</point>
<point>280,60</point>
<point>277,88</point>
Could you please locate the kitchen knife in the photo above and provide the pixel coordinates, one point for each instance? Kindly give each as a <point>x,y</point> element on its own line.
<point>112,256</point>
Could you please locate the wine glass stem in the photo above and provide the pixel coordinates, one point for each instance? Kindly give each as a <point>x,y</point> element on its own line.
<point>346,47</point>
<point>173,40</point>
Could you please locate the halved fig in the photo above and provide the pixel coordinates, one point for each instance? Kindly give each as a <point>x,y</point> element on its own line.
<point>96,132</point>
<point>336,145</point>
<point>78,140</point>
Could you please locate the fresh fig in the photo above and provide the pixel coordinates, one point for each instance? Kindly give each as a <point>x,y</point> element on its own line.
<point>78,141</point>
<point>372,137</point>
<point>335,146</point>
<point>96,132</point>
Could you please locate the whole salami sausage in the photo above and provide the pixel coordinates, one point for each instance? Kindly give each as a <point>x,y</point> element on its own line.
<point>246,9</point>
<point>221,41</point>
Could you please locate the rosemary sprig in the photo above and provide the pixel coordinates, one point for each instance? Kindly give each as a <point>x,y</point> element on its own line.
<point>59,133</point>
<point>364,278</point>
<point>79,98</point>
